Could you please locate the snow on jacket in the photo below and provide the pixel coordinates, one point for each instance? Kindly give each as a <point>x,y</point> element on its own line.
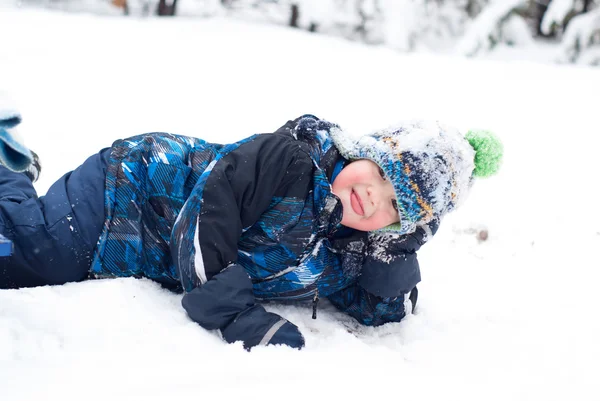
<point>253,220</point>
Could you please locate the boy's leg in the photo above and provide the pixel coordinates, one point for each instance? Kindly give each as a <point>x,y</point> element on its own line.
<point>54,235</point>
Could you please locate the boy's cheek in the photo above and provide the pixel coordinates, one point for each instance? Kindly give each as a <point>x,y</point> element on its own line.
<point>381,220</point>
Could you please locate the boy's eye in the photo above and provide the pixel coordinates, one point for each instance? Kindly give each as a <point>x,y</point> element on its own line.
<point>395,205</point>
<point>381,173</point>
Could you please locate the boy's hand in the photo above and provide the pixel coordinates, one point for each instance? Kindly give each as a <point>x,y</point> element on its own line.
<point>390,268</point>
<point>227,302</point>
<point>255,326</point>
<point>392,243</point>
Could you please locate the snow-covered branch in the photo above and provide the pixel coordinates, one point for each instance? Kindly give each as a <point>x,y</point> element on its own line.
<point>497,23</point>
<point>581,41</point>
<point>556,15</point>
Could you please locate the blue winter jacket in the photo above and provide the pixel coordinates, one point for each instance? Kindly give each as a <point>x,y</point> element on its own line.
<point>254,220</point>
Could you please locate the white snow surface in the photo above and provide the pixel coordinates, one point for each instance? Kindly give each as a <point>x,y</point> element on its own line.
<point>514,317</point>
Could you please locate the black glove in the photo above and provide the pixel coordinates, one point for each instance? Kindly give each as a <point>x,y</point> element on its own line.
<point>227,302</point>
<point>255,326</point>
<point>391,268</point>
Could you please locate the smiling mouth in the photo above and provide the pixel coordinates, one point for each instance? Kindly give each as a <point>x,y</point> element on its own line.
<point>356,203</point>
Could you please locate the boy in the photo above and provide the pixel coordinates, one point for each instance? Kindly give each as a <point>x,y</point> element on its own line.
<point>302,213</point>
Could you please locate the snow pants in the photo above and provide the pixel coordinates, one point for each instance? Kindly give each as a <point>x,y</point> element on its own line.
<point>54,236</point>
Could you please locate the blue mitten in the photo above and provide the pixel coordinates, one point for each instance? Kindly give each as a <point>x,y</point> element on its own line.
<point>255,326</point>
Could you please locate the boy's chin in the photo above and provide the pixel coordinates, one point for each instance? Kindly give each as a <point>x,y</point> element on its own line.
<point>353,225</point>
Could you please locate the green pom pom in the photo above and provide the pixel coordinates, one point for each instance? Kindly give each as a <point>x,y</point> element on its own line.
<point>488,152</point>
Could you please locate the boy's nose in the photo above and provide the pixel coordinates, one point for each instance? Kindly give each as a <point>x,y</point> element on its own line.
<point>375,194</point>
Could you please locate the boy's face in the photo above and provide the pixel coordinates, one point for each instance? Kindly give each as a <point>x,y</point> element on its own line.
<point>368,199</point>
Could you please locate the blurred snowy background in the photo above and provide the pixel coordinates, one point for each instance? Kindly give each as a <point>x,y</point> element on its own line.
<point>513,316</point>
<point>566,31</point>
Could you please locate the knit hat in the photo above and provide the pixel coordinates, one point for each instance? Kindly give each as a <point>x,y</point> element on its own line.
<point>431,166</point>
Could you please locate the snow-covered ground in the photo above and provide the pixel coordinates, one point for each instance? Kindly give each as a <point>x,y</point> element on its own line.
<point>511,318</point>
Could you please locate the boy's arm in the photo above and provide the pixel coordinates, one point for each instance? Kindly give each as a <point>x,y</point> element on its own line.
<point>229,197</point>
<point>386,290</point>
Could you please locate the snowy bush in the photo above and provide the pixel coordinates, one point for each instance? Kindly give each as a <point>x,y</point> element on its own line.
<point>101,7</point>
<point>560,12</point>
<point>469,27</point>
<point>498,23</point>
<point>556,15</point>
<point>401,24</point>
<point>581,41</point>
<point>203,8</point>
<point>352,19</point>
<point>409,25</point>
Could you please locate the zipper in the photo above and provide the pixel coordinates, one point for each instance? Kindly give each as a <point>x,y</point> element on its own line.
<point>315,302</point>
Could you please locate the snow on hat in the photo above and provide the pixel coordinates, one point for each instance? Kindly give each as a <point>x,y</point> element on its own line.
<point>431,166</point>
